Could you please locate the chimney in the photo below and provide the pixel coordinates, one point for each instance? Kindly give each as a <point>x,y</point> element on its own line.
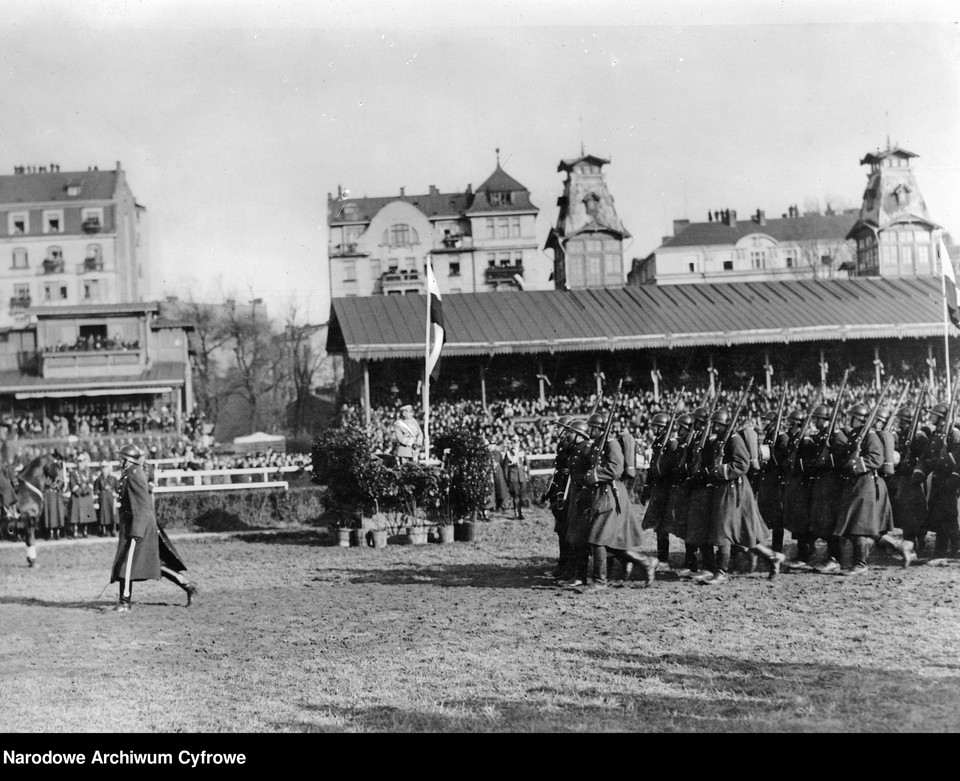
<point>434,190</point>
<point>732,218</point>
<point>761,217</point>
<point>403,191</point>
<point>469,190</point>
<point>679,225</point>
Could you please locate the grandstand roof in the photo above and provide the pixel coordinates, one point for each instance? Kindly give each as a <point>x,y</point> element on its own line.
<point>633,318</point>
<point>159,375</point>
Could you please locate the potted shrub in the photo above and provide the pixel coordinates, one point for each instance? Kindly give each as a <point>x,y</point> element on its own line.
<point>468,467</point>
<point>418,530</point>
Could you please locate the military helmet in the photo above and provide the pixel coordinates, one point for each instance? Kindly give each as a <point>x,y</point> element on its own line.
<point>563,421</point>
<point>882,417</point>
<point>130,453</point>
<point>596,419</point>
<point>579,426</point>
<point>700,414</point>
<point>797,416</point>
<point>821,411</point>
<point>939,410</point>
<point>905,414</point>
<point>769,415</point>
<point>685,420</point>
<point>858,411</point>
<point>660,419</point>
<point>721,417</point>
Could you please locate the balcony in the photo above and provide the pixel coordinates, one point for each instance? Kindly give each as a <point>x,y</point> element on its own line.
<point>496,274</point>
<point>53,266</point>
<point>92,264</point>
<point>401,282</point>
<point>91,225</point>
<point>344,250</point>
<point>20,303</point>
<point>91,363</point>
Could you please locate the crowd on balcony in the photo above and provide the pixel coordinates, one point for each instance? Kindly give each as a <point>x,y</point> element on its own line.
<point>532,422</point>
<point>61,425</point>
<point>95,343</point>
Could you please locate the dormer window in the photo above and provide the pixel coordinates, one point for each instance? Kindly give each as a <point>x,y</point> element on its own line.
<point>18,223</point>
<point>400,235</point>
<point>501,198</point>
<point>73,190</point>
<point>592,204</point>
<point>53,221</point>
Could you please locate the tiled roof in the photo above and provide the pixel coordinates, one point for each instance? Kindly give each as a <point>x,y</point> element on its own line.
<point>381,327</point>
<point>95,309</point>
<point>164,373</point>
<point>41,188</point>
<point>819,227</point>
<point>876,157</point>
<point>432,205</point>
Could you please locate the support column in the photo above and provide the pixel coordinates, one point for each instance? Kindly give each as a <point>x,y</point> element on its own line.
<point>824,367</point>
<point>655,376</point>
<point>931,368</point>
<point>599,382</point>
<point>877,366</point>
<point>366,393</point>
<point>768,370</point>
<point>541,376</point>
<point>178,412</point>
<point>483,387</point>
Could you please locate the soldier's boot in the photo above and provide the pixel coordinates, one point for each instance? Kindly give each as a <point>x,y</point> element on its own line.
<point>940,545</point>
<point>192,593</point>
<point>663,547</point>
<point>861,552</point>
<point>690,558</point>
<point>774,557</point>
<point>920,543</point>
<point>778,540</point>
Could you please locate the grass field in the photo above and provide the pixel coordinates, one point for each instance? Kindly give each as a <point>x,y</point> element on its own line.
<point>293,634</point>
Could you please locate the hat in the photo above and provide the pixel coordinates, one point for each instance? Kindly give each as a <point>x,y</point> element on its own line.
<point>407,408</point>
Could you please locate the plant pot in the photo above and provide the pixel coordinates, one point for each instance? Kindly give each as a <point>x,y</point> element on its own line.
<point>378,538</point>
<point>358,538</point>
<point>446,533</point>
<point>417,535</point>
<point>343,537</point>
<point>464,532</point>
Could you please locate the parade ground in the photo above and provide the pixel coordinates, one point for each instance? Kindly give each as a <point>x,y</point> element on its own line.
<point>295,634</point>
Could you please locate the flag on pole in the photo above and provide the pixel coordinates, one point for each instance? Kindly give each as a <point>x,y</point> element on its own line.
<point>436,324</point>
<point>950,291</point>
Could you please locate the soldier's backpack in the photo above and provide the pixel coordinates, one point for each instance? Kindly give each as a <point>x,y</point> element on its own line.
<point>752,440</point>
<point>889,453</point>
<point>629,447</point>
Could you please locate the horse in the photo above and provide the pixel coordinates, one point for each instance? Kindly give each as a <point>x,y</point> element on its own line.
<point>42,471</point>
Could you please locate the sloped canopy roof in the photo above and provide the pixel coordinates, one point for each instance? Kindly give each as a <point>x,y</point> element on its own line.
<point>632,318</point>
<point>812,227</point>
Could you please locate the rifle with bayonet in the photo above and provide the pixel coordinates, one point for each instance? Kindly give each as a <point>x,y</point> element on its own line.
<point>670,426</point>
<point>709,403</point>
<point>795,446</point>
<point>825,450</point>
<point>731,427</point>
<point>704,435</point>
<point>598,447</point>
<point>907,451</point>
<point>853,446</point>
<point>778,423</point>
<point>951,417</point>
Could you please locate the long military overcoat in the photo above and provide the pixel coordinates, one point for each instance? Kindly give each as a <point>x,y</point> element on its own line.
<point>137,519</point>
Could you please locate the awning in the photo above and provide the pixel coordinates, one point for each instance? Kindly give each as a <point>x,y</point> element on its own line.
<point>94,392</point>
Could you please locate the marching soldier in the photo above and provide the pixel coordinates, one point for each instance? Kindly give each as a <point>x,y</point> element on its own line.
<point>661,478</point>
<point>825,489</point>
<point>864,515</point>
<point>558,493</point>
<point>906,485</point>
<point>578,464</point>
<point>797,488</point>
<point>942,459</point>
<point>734,518</point>
<point>680,492</point>
<point>698,500</point>
<point>768,482</point>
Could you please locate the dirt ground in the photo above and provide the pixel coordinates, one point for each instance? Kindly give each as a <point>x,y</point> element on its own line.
<point>294,634</point>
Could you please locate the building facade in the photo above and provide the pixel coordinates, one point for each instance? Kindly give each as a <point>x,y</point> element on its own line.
<point>725,249</point>
<point>477,241</point>
<point>587,240</point>
<point>69,238</point>
<point>894,234</point>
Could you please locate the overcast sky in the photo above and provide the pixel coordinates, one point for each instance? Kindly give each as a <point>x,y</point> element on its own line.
<point>234,120</point>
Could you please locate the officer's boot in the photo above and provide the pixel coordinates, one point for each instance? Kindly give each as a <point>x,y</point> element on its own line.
<point>690,558</point>
<point>663,548</point>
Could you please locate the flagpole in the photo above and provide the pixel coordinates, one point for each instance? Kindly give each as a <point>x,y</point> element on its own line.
<point>946,316</point>
<point>426,383</point>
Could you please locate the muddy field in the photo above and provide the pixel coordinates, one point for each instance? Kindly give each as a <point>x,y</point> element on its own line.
<point>293,634</point>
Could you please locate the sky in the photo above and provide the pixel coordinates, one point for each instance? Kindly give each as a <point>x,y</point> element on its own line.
<point>234,120</point>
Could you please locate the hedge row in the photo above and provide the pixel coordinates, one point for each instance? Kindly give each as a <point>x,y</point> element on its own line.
<point>238,510</point>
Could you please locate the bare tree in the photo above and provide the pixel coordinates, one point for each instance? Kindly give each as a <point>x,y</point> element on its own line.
<point>208,340</point>
<point>305,359</point>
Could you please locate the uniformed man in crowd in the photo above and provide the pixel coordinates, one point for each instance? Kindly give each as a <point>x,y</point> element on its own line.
<point>680,491</point>
<point>408,435</point>
<point>864,515</point>
<point>661,479</point>
<point>797,488</point>
<point>558,492</point>
<point>735,521</point>
<point>699,492</point>
<point>80,511</point>
<point>942,461</point>
<point>825,489</point>
<point>907,483</point>
<point>577,528</point>
<point>768,482</point>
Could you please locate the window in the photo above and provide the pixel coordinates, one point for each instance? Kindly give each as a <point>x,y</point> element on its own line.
<point>91,290</point>
<point>504,260</point>
<point>351,233</point>
<point>73,190</point>
<point>515,228</point>
<point>501,198</point>
<point>491,228</point>
<point>393,264</point>
<point>728,265</point>
<point>20,258</point>
<point>491,260</point>
<point>376,268</point>
<point>18,223</point>
<point>349,271</point>
<point>594,271</point>
<point>612,268</point>
<point>691,267</point>
<point>401,235</point>
<point>53,221</point>
<point>91,219</point>
<point>790,258</point>
<point>758,259</point>
<point>54,253</point>
<point>454,268</point>
<point>592,204</point>
<point>503,227</point>
<point>53,291</point>
<point>21,290</point>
